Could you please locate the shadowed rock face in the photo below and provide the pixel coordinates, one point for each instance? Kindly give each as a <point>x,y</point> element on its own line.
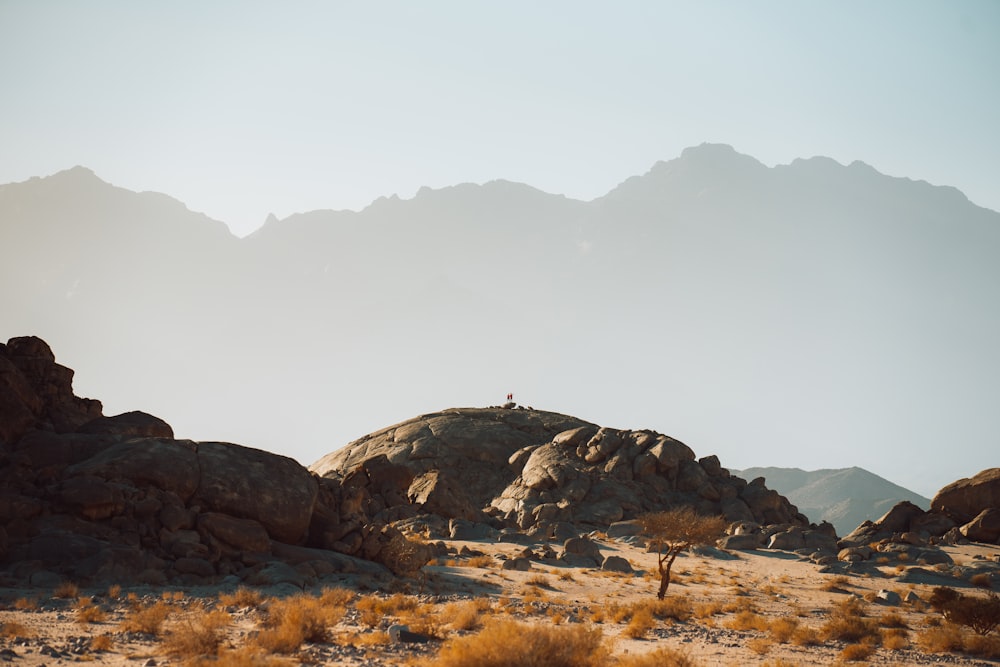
<point>965,498</point>
<point>534,469</point>
<point>118,498</point>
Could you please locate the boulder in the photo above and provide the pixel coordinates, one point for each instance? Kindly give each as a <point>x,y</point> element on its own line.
<point>253,484</point>
<point>581,552</point>
<point>132,424</point>
<point>616,564</point>
<point>963,499</point>
<point>985,527</point>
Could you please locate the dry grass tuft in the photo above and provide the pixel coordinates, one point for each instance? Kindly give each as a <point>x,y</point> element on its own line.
<point>783,629</point>
<point>247,656</point>
<point>101,643</point>
<point>197,634</point>
<point>760,645</point>
<point>148,620</point>
<point>114,591</point>
<point>663,657</point>
<point>942,638</point>
<point>466,615</point>
<point>242,597</point>
<point>640,624</point>
<point>66,590</point>
<point>857,652</point>
<point>481,561</point>
<point>26,604</point>
<point>87,612</point>
<point>510,644</point>
<point>11,629</point>
<point>895,639</point>
<point>293,621</point>
<point>981,580</point>
<point>748,620</point>
<point>847,623</point>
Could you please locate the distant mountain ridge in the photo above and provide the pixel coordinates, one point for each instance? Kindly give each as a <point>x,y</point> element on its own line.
<point>845,497</point>
<point>733,304</point>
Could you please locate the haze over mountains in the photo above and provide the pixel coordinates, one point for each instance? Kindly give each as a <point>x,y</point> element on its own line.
<point>846,497</point>
<point>809,315</point>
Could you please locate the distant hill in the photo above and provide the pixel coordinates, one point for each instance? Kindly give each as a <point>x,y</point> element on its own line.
<point>845,497</point>
<point>741,307</point>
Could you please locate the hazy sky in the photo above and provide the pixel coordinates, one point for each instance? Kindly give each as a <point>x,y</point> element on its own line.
<point>243,108</point>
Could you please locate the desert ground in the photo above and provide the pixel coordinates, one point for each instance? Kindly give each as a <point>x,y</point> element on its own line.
<point>722,608</point>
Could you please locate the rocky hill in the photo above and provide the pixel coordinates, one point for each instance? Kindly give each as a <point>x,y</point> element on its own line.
<point>112,499</point>
<point>535,469</point>
<point>845,497</point>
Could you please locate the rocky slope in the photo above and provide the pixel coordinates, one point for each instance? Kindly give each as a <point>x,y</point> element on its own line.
<point>112,499</point>
<point>535,469</point>
<point>845,497</point>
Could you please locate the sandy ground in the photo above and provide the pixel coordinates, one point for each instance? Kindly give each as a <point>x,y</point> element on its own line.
<point>40,629</point>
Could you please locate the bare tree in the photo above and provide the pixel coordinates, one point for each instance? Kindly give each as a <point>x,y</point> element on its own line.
<point>677,530</point>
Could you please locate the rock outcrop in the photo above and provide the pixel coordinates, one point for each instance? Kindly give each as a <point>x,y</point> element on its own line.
<point>535,470</point>
<point>968,509</point>
<point>118,498</point>
<point>113,499</point>
<point>963,499</point>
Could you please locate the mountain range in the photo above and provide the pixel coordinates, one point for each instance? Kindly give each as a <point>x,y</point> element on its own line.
<point>846,497</point>
<point>811,314</point>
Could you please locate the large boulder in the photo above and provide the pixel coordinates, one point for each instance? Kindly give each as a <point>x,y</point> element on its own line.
<point>253,484</point>
<point>963,499</point>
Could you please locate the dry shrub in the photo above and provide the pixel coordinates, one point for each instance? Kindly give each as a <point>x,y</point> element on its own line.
<point>663,657</point>
<point>982,580</point>
<point>481,561</point>
<point>26,604</point>
<point>782,629</point>
<point>87,612</point>
<point>984,647</point>
<point>11,629</point>
<point>101,643</point>
<point>835,584</point>
<point>805,635</point>
<point>511,644</point>
<point>857,652</point>
<point>539,580</point>
<point>982,614</point>
<point>707,609</point>
<point>566,576</point>
<point>847,623</point>
<point>360,639</point>
<point>748,620</point>
<point>148,620</point>
<point>114,591</point>
<point>242,597</point>
<point>942,638</point>
<point>895,639</point>
<point>760,645</point>
<point>675,608</point>
<point>640,624</point>
<point>246,656</point>
<point>337,596</point>
<point>199,633</point>
<point>291,622</point>
<point>66,589</point>
<point>892,620</point>
<point>467,615</point>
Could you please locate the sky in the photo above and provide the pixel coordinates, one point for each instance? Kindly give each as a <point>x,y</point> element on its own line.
<point>242,109</point>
